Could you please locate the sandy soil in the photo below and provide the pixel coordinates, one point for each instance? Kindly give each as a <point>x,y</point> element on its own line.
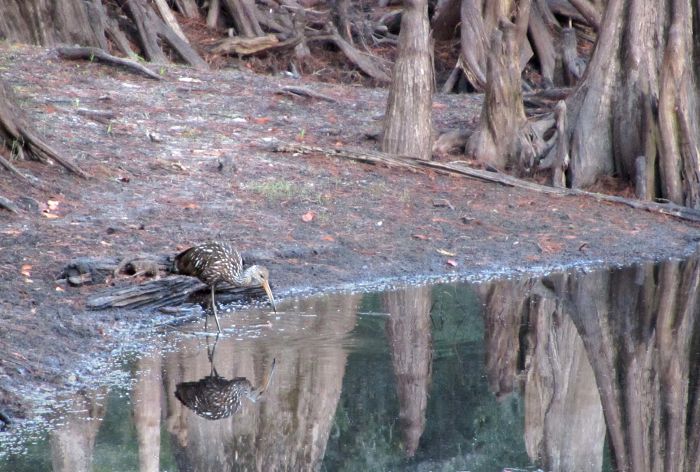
<point>187,159</point>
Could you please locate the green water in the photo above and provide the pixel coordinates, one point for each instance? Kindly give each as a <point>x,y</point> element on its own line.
<point>479,377</point>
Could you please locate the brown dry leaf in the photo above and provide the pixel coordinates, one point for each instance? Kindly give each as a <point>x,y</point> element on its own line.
<point>262,120</point>
<point>190,206</point>
<point>50,216</point>
<point>328,237</point>
<point>451,262</point>
<point>26,270</point>
<point>308,216</point>
<point>444,252</point>
<point>548,246</point>
<point>422,237</point>
<point>52,204</point>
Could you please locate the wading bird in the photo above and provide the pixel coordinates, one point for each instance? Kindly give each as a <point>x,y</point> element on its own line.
<point>218,262</point>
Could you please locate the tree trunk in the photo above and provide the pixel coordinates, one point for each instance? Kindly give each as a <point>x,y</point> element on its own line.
<point>408,122</point>
<point>502,138</point>
<point>639,98</point>
<point>48,22</point>
<point>87,23</point>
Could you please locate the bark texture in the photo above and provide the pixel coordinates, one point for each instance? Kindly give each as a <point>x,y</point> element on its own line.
<point>408,121</point>
<point>639,97</point>
<point>502,137</point>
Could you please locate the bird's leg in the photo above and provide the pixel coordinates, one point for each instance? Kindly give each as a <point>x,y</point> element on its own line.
<point>213,307</point>
<point>210,355</point>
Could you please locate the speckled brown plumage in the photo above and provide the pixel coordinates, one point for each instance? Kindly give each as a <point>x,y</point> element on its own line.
<point>214,397</point>
<point>212,263</point>
<point>218,262</point>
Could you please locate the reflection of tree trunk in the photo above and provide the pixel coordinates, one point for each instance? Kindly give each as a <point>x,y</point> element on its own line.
<point>409,335</point>
<point>564,426</point>
<point>638,340</point>
<point>505,307</point>
<point>288,429</point>
<point>72,444</point>
<point>636,326</point>
<point>297,418</point>
<point>146,401</point>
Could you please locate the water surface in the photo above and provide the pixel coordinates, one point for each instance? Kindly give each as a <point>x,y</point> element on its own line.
<point>584,370</point>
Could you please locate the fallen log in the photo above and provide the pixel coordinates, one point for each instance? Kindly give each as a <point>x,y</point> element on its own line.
<point>462,169</point>
<point>91,54</point>
<point>169,289</point>
<point>6,203</point>
<point>172,290</point>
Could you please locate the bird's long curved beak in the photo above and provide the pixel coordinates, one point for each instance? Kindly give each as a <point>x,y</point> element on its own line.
<point>266,286</point>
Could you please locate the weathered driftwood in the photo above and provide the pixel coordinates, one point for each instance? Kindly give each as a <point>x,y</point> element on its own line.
<point>169,290</point>
<point>97,53</point>
<point>461,168</point>
<point>172,290</point>
<point>248,46</point>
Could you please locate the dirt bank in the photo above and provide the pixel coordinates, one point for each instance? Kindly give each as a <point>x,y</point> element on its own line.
<point>187,159</point>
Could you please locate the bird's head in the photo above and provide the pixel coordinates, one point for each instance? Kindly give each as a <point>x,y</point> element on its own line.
<point>260,276</point>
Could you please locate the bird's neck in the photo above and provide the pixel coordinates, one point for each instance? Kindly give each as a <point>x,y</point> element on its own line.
<point>245,278</point>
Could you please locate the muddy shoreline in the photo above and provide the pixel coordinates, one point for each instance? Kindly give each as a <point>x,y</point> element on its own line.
<point>187,159</point>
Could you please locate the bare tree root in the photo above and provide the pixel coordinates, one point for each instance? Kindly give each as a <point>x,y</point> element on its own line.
<point>504,137</point>
<point>366,63</point>
<point>96,53</point>
<point>20,139</point>
<point>152,30</point>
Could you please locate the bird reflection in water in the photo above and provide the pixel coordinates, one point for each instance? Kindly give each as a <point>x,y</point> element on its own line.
<point>214,397</point>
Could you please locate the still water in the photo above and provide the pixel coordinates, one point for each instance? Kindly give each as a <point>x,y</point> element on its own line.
<point>586,370</point>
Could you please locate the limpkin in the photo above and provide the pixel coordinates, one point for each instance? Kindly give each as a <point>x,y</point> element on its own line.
<point>214,397</point>
<point>216,262</point>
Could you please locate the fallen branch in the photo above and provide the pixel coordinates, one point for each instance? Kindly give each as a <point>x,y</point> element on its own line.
<point>461,169</point>
<point>246,46</point>
<point>8,205</point>
<point>303,92</point>
<point>170,289</point>
<point>173,290</point>
<point>12,169</point>
<point>91,54</point>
